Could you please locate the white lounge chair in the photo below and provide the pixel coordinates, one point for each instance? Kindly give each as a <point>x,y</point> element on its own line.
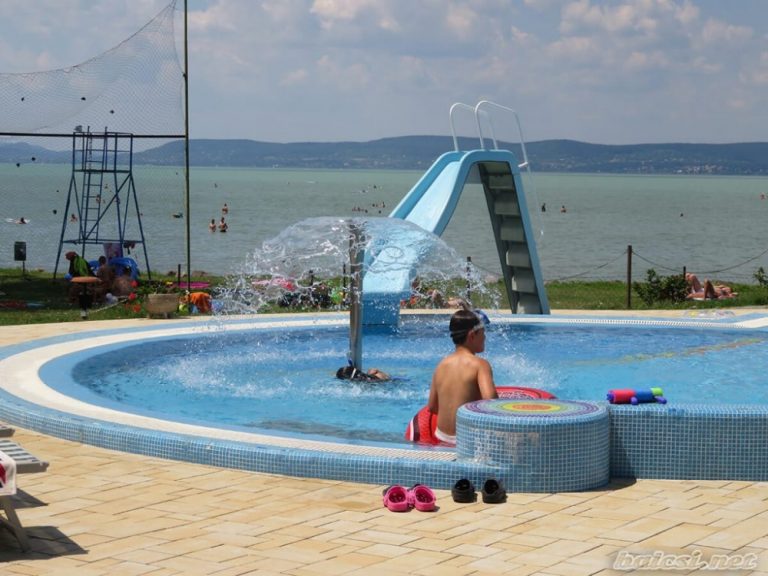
<point>25,463</point>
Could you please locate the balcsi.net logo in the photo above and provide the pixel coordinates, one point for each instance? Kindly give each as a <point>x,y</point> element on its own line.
<point>696,560</point>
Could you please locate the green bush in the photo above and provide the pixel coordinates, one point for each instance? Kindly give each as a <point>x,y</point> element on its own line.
<point>661,289</point>
<point>761,278</point>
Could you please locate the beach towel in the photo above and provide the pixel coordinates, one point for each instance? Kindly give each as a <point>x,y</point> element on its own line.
<point>7,475</point>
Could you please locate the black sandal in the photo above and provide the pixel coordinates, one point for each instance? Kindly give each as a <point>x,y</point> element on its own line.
<point>493,492</point>
<point>463,491</point>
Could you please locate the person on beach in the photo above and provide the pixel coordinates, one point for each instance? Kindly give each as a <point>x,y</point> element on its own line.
<point>82,293</point>
<point>78,266</point>
<point>461,376</point>
<point>212,225</point>
<point>106,274</point>
<point>707,291</point>
<point>223,225</point>
<point>122,285</point>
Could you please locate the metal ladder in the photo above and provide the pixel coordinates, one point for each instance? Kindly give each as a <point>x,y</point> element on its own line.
<point>516,253</point>
<point>102,185</point>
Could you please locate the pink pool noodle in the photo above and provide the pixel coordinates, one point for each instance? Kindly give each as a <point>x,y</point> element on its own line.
<point>620,396</point>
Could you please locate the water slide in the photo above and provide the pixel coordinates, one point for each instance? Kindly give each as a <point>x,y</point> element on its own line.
<point>430,204</point>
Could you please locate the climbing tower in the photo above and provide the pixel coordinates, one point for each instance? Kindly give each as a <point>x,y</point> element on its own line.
<point>102,207</point>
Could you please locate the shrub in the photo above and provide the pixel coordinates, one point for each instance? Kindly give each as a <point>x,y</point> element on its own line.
<point>761,278</point>
<point>661,289</point>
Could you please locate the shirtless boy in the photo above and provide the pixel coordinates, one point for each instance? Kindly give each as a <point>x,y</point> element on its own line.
<point>461,376</point>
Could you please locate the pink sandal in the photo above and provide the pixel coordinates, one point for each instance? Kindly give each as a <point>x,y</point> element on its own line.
<point>422,498</point>
<point>396,499</point>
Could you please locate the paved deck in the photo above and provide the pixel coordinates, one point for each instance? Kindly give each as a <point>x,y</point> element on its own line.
<point>99,512</point>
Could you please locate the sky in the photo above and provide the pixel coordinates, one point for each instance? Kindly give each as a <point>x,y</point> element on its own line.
<point>601,71</point>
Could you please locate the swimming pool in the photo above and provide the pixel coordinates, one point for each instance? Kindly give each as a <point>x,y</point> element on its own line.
<point>677,440</point>
<point>283,382</point>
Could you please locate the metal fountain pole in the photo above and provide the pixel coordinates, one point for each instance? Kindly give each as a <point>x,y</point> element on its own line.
<point>356,253</point>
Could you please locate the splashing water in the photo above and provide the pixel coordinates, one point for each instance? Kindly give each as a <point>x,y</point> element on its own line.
<point>292,267</point>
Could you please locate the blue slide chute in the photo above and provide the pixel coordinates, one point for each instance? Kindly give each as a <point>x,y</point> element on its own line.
<point>430,204</point>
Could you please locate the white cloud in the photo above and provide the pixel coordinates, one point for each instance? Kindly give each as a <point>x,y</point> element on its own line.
<point>716,33</point>
<point>687,13</point>
<point>333,10</point>
<point>542,4</point>
<point>519,36</point>
<point>345,77</point>
<point>294,77</point>
<point>757,75</point>
<point>641,17</point>
<point>587,69</point>
<point>583,49</point>
<point>461,20</point>
<point>705,65</point>
<point>646,60</point>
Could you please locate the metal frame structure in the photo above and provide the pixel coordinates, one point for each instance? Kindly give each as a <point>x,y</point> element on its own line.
<point>102,187</point>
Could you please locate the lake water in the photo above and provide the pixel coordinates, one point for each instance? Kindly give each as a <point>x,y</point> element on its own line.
<point>712,225</point>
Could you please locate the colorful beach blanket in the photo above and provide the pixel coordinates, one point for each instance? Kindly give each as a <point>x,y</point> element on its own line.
<point>7,475</point>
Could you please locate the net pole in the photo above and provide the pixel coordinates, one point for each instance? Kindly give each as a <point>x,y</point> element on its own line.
<point>629,277</point>
<point>186,150</point>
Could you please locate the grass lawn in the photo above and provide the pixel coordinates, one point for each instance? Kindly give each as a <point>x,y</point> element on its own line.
<point>37,298</point>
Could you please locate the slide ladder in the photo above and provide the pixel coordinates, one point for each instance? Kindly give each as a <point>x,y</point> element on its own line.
<point>431,203</point>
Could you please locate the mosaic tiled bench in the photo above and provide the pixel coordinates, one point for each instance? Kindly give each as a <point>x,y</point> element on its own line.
<point>537,445</point>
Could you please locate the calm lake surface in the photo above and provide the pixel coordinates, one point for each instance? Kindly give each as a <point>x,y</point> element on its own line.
<point>713,225</point>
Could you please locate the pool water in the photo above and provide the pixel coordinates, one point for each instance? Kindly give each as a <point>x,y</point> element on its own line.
<point>283,381</point>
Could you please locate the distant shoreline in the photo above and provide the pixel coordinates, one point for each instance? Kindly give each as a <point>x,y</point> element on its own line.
<point>419,152</point>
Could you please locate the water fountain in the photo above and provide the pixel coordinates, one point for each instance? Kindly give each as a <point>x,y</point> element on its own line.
<point>287,268</point>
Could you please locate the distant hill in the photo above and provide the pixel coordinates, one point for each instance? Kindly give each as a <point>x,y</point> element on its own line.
<point>572,156</point>
<point>418,152</point>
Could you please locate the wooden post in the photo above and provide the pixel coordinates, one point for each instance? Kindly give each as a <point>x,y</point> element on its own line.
<point>629,277</point>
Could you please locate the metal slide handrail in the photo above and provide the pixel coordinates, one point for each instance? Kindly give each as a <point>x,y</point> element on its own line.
<point>478,110</point>
<point>456,106</point>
